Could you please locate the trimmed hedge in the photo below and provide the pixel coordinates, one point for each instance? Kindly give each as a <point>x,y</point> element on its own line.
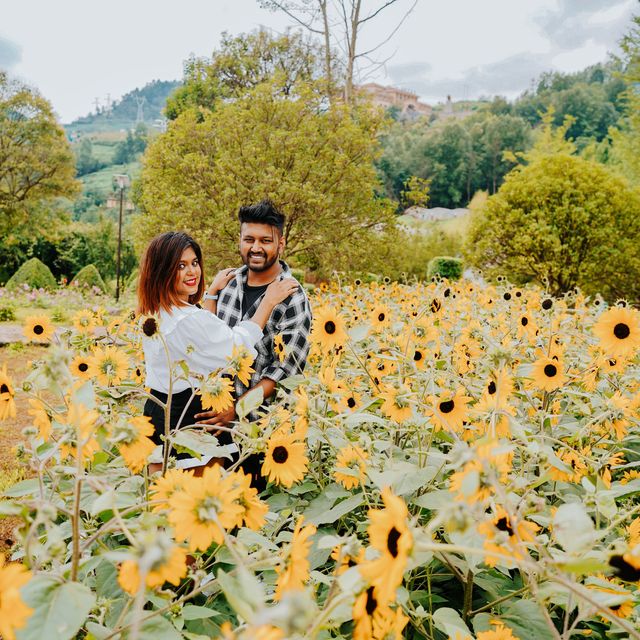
<point>34,273</point>
<point>445,267</point>
<point>89,276</point>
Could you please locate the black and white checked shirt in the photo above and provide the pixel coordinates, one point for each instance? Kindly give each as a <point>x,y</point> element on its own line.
<point>291,319</point>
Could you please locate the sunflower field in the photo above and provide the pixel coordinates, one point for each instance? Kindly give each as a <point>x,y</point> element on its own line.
<point>458,461</point>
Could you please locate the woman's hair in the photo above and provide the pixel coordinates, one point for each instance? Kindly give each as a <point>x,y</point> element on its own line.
<point>158,269</point>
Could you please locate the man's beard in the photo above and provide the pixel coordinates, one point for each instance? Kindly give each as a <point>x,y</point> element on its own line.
<point>267,264</point>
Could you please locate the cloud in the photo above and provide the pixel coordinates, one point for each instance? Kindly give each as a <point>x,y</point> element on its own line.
<point>401,73</point>
<point>509,76</point>
<point>575,22</point>
<point>10,53</point>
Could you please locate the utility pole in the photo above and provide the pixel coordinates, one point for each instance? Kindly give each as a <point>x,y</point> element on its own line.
<point>121,181</point>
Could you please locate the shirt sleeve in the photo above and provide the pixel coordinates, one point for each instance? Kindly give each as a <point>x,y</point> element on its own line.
<point>209,341</point>
<point>294,329</point>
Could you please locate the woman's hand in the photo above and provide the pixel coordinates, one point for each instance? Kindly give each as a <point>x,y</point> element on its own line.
<point>221,280</point>
<point>280,290</point>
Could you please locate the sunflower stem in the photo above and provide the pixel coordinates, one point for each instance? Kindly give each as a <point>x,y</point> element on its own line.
<point>468,596</point>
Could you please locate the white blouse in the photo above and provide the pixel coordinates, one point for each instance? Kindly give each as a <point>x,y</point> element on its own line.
<point>198,337</point>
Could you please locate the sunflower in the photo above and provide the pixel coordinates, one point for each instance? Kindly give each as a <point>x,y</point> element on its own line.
<point>239,364</point>
<point>389,534</point>
<point>351,460</point>
<point>328,330</point>
<point>40,418</point>
<point>14,613</point>
<point>344,559</point>
<point>38,328</point>
<point>285,461</point>
<point>79,428</point>
<point>171,568</point>
<point>80,366</point>
<point>279,347</point>
<point>449,411</point>
<point>505,536</point>
<point>548,374</point>
<point>216,393</point>
<point>207,506</point>
<point>418,355</point>
<point>396,403</point>
<point>138,374</point>
<point>380,317</point>
<point>618,330</point>
<point>375,620</point>
<point>499,633</point>
<point>164,487</point>
<point>134,444</point>
<point>150,326</point>
<point>7,403</point>
<point>84,321</point>
<point>615,598</point>
<point>254,510</point>
<point>295,572</point>
<point>109,366</point>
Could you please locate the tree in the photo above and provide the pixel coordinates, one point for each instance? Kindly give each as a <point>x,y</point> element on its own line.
<point>86,162</point>
<point>339,24</point>
<point>315,162</point>
<point>134,144</point>
<point>242,63</point>
<point>562,222</point>
<point>36,162</point>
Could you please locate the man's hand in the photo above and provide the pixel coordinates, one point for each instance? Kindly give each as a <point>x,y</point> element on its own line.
<point>222,419</point>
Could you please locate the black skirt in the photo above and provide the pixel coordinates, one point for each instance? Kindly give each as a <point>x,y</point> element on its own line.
<point>179,402</point>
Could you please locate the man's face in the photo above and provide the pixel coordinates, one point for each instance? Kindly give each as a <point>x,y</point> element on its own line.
<point>260,245</point>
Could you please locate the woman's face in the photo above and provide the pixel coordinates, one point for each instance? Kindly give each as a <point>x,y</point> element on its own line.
<point>188,275</point>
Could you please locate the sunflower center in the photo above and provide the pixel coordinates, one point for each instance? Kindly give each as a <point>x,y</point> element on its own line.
<point>372,603</point>
<point>446,406</point>
<point>209,509</point>
<point>381,317</point>
<point>330,327</point>
<point>492,388</point>
<point>83,366</point>
<point>351,403</point>
<point>550,370</point>
<point>38,329</point>
<point>4,388</point>
<point>621,331</point>
<point>615,607</point>
<point>503,525</point>
<point>280,454</point>
<point>392,541</point>
<point>435,305</point>
<point>417,356</point>
<point>524,321</point>
<point>149,327</point>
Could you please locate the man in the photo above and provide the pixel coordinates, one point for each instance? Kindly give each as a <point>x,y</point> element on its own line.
<point>261,245</point>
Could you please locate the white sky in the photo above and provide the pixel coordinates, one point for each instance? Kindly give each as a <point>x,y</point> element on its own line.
<point>76,50</point>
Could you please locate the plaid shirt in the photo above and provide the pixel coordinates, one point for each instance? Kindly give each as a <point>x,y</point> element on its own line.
<point>290,319</point>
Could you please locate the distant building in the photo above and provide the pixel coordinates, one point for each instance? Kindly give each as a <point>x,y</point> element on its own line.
<point>448,111</point>
<point>406,101</point>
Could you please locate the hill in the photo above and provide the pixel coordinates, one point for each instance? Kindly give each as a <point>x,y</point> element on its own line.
<point>123,114</point>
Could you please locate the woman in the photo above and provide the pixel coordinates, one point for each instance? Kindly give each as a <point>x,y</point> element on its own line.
<point>171,283</point>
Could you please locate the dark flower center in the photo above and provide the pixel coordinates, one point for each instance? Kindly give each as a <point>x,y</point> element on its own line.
<point>503,525</point>
<point>435,305</point>
<point>492,388</point>
<point>330,327</point>
<point>83,366</point>
<point>372,603</point>
<point>550,370</point>
<point>446,406</point>
<point>149,327</point>
<point>524,321</point>
<point>4,388</point>
<point>381,317</point>
<point>417,356</point>
<point>447,293</point>
<point>547,304</point>
<point>612,363</point>
<point>507,296</point>
<point>351,403</point>
<point>280,454</point>
<point>392,541</point>
<point>624,570</point>
<point>621,331</point>
<point>38,329</point>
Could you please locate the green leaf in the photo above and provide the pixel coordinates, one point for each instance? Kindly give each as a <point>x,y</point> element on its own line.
<point>158,628</point>
<point>249,402</point>
<point>339,510</point>
<point>198,444</point>
<point>24,488</point>
<point>573,528</point>
<point>8,508</point>
<point>449,621</point>
<point>193,612</point>
<point>525,619</point>
<point>59,609</point>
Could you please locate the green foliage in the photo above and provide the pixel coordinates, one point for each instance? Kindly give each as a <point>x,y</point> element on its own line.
<point>563,222</point>
<point>86,162</point>
<point>242,63</point>
<point>89,277</point>
<point>313,161</point>
<point>445,267</point>
<point>34,273</point>
<point>7,312</point>
<point>36,161</point>
<point>134,144</point>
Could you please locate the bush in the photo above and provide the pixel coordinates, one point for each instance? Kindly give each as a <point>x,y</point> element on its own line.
<point>89,277</point>
<point>445,267</point>
<point>7,313</point>
<point>34,273</point>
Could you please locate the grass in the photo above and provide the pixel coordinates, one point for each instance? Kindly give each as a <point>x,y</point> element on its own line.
<point>103,180</point>
<point>458,225</point>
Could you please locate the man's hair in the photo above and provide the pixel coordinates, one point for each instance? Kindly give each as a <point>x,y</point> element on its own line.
<point>158,269</point>
<point>264,212</point>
